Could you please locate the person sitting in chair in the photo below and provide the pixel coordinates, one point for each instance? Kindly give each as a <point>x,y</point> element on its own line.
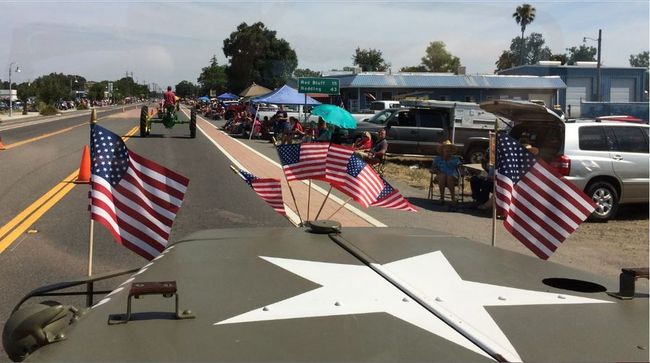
<point>445,165</point>
<point>376,154</point>
<point>364,142</point>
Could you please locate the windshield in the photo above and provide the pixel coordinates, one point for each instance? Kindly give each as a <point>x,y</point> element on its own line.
<point>381,117</point>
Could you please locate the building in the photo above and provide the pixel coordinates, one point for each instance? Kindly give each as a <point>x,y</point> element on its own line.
<point>358,90</point>
<point>4,95</point>
<point>620,87</point>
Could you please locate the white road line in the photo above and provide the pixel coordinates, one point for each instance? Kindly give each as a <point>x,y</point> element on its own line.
<point>317,188</point>
<point>291,215</point>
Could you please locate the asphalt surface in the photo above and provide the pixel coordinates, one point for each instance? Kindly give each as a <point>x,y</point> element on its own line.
<point>58,251</point>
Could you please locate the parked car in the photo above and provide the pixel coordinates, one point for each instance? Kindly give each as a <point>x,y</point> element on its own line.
<point>607,160</point>
<point>418,127</point>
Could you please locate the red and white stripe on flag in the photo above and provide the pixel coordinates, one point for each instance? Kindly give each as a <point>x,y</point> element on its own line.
<point>140,209</point>
<point>542,209</point>
<point>270,191</point>
<point>351,175</point>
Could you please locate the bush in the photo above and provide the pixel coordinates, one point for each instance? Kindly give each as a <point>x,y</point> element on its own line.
<point>48,110</point>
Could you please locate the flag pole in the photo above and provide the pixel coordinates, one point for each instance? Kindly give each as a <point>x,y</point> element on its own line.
<point>324,201</point>
<point>308,199</point>
<point>90,246</point>
<point>342,205</point>
<point>492,163</point>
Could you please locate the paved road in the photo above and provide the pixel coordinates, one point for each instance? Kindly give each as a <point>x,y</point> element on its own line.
<point>40,156</point>
<point>58,251</point>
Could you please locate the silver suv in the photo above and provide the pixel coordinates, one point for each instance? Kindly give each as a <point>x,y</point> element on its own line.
<point>607,160</point>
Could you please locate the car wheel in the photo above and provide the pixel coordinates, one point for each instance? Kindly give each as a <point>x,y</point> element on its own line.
<point>475,155</point>
<point>606,199</point>
<point>193,123</point>
<point>143,121</point>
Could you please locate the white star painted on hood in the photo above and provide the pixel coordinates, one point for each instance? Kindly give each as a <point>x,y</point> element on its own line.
<point>355,289</point>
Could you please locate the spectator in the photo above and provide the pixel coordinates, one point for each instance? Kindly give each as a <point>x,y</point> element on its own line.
<point>364,142</point>
<point>324,133</point>
<point>445,165</point>
<point>297,132</point>
<point>378,151</point>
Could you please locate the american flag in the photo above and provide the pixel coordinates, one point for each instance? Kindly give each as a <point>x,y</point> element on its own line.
<point>136,199</point>
<point>303,161</point>
<point>542,209</point>
<point>391,198</point>
<point>267,188</point>
<point>351,175</point>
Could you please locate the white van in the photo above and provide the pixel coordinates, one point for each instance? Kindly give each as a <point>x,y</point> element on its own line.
<point>378,106</point>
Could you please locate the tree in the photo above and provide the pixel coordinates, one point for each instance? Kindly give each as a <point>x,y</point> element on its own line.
<point>437,59</point>
<point>534,51</point>
<point>306,73</point>
<point>581,53</point>
<point>370,60</point>
<point>186,89</point>
<point>559,57</point>
<point>256,55</point>
<point>524,15</point>
<point>506,60</point>
<point>418,68</point>
<point>25,90</point>
<point>96,91</point>
<point>212,77</point>
<point>52,88</point>
<point>639,60</point>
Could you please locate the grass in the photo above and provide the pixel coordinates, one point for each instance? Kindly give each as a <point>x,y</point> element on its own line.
<point>411,170</point>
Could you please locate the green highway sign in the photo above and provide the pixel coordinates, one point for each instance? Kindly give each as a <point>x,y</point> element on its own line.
<point>328,86</point>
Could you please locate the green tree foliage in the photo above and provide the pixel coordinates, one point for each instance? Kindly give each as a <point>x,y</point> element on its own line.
<point>299,72</point>
<point>212,77</point>
<point>438,59</point>
<point>255,54</point>
<point>534,51</point>
<point>581,53</point>
<point>126,87</point>
<point>639,60</point>
<point>96,91</point>
<point>186,89</point>
<point>419,68</point>
<point>370,60</point>
<point>52,88</point>
<point>25,90</point>
<point>559,57</point>
<point>524,15</point>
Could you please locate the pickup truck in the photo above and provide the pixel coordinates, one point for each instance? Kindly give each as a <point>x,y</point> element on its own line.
<point>418,127</point>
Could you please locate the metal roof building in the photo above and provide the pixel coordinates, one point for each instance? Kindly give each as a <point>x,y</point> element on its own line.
<point>619,86</point>
<point>357,90</point>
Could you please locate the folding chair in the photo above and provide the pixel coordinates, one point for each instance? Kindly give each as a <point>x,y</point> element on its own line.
<point>380,165</point>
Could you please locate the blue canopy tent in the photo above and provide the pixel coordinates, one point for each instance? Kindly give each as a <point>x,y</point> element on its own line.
<point>204,99</point>
<point>227,96</point>
<point>285,95</point>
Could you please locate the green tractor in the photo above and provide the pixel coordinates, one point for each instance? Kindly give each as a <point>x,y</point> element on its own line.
<point>168,118</point>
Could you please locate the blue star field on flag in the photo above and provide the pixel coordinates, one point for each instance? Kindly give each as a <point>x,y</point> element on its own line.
<point>109,153</point>
<point>513,160</point>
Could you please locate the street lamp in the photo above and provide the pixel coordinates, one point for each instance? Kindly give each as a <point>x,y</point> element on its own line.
<point>72,89</point>
<point>584,39</point>
<point>11,65</point>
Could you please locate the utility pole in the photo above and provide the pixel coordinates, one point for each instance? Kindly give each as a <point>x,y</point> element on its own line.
<point>598,98</point>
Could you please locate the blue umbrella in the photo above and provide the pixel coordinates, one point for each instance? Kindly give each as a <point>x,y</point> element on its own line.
<point>335,115</point>
<point>227,96</point>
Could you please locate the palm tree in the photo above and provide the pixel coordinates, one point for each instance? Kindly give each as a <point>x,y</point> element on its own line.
<point>524,15</point>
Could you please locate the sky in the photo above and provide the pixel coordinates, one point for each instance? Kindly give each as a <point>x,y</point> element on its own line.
<point>167,42</point>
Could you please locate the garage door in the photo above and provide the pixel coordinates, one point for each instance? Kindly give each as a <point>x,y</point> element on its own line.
<point>577,89</point>
<point>622,90</point>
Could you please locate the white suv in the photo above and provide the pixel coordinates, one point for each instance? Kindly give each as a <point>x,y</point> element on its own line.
<point>609,161</point>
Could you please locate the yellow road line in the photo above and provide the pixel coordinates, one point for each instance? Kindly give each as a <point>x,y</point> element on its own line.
<point>31,214</point>
<point>19,143</point>
<point>29,210</point>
